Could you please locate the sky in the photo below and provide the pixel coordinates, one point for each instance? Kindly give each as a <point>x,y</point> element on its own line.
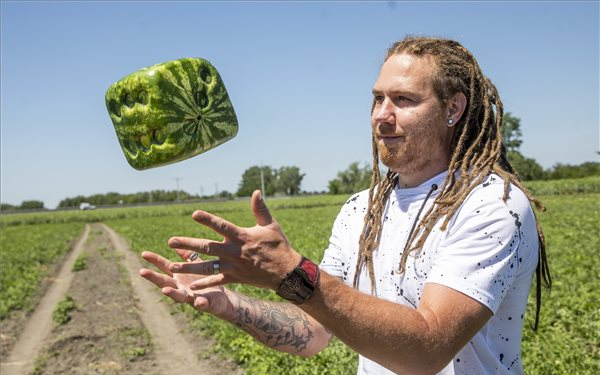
<point>299,75</point>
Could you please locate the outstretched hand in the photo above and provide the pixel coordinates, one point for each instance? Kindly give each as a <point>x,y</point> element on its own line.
<point>177,286</point>
<point>259,256</point>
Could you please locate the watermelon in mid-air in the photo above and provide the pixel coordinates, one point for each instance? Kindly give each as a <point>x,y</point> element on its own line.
<point>170,112</point>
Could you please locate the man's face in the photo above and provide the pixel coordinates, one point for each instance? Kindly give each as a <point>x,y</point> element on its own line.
<point>409,122</point>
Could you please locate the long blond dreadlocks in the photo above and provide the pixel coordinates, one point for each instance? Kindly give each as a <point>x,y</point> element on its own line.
<point>476,151</point>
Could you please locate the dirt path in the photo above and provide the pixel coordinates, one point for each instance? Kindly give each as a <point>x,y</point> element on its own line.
<point>180,354</point>
<point>119,323</point>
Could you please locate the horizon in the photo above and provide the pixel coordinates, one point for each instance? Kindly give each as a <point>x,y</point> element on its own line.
<point>299,75</point>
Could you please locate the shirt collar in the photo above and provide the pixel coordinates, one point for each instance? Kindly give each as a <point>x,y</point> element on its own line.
<point>423,188</point>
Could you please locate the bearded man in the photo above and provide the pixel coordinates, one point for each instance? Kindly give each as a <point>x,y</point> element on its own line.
<point>426,272</point>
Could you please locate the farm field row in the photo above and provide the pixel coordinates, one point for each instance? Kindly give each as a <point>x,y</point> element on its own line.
<point>587,185</point>
<point>28,254</point>
<point>565,343</point>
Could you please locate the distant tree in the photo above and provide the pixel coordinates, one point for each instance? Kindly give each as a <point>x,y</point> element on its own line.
<point>6,206</point>
<point>225,195</point>
<point>289,180</point>
<point>528,169</point>
<point>112,198</point>
<point>511,132</point>
<point>559,171</point>
<point>351,180</point>
<point>32,205</point>
<point>251,181</point>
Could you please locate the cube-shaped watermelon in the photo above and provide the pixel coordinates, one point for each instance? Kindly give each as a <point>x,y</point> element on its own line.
<point>169,112</point>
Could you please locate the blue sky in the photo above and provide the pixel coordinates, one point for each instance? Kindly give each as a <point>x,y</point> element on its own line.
<point>299,75</point>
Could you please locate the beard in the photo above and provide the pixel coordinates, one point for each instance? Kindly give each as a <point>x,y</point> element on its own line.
<point>423,144</point>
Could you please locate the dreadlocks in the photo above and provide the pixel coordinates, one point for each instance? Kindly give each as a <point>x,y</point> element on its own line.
<point>476,151</point>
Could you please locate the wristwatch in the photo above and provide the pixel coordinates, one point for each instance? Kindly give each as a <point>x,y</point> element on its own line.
<point>299,284</point>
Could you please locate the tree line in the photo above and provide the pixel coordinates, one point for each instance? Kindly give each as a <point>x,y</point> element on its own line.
<point>287,180</point>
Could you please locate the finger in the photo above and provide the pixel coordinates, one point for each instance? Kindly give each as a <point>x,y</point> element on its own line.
<point>198,268</point>
<point>260,210</point>
<point>177,295</point>
<point>218,224</point>
<point>160,262</point>
<point>202,246</point>
<point>210,281</point>
<point>158,279</point>
<point>187,255</point>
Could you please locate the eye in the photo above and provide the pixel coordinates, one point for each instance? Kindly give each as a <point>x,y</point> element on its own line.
<point>378,98</point>
<point>404,98</point>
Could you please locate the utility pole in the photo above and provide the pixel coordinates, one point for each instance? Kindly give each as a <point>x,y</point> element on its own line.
<point>262,184</point>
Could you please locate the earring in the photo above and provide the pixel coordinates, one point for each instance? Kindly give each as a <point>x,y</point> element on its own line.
<point>450,122</point>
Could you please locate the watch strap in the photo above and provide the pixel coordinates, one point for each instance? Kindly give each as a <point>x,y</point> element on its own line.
<point>297,286</point>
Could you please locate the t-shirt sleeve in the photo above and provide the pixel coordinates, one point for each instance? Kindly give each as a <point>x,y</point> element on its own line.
<point>489,243</point>
<point>343,241</point>
<point>332,258</point>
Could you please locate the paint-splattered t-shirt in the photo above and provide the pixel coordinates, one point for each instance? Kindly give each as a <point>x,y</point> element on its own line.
<point>489,252</point>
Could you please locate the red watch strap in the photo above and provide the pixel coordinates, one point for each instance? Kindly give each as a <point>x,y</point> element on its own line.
<point>311,270</point>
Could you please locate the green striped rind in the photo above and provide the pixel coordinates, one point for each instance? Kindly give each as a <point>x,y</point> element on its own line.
<point>170,112</point>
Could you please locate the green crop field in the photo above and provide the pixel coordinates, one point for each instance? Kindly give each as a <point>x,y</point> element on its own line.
<point>566,343</point>
<point>28,253</point>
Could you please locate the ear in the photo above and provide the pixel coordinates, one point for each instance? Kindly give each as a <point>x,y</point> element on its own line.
<point>456,106</point>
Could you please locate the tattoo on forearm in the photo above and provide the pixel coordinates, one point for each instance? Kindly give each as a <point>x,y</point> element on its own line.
<point>277,325</point>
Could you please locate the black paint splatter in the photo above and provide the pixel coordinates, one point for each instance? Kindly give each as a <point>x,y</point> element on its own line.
<point>353,199</point>
<point>516,216</point>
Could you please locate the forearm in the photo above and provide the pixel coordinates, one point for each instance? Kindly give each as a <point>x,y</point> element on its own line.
<point>401,338</point>
<point>278,325</point>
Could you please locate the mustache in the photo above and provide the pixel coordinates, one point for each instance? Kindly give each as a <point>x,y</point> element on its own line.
<point>387,130</point>
<point>390,133</point>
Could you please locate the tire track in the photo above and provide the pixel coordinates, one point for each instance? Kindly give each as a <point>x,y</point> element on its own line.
<point>39,324</point>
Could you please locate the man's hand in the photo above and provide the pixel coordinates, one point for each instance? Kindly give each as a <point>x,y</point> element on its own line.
<point>259,256</point>
<point>177,287</point>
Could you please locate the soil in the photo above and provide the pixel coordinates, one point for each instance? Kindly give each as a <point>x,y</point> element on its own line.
<point>119,323</point>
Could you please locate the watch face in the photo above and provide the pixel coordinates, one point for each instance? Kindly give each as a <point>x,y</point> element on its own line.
<point>293,284</point>
<point>299,284</point>
<point>293,289</point>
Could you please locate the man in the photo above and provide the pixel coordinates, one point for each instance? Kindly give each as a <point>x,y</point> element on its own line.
<point>426,272</point>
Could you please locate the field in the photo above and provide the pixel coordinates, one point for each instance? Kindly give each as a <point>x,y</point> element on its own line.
<point>566,342</point>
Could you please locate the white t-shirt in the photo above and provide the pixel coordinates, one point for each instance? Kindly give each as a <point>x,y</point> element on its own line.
<point>488,252</point>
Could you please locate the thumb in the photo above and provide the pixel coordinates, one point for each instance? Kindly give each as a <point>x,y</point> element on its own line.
<point>260,210</point>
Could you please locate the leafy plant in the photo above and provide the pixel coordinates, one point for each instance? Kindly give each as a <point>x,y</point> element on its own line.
<point>28,254</point>
<point>80,263</point>
<point>62,313</point>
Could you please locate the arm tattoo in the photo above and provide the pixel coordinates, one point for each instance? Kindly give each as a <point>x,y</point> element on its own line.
<point>277,325</point>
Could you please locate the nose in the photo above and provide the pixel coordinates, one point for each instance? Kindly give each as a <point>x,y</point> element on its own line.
<point>383,112</point>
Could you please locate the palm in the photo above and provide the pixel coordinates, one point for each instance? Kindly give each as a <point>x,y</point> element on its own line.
<point>177,286</point>
<point>208,299</point>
